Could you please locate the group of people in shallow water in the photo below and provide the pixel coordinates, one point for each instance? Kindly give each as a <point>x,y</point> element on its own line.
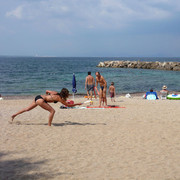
<point>91,86</point>
<point>54,97</point>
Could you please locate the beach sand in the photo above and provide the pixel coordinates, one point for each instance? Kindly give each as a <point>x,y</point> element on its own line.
<point>140,141</point>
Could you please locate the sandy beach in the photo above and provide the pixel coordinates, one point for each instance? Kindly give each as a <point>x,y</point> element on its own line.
<point>138,142</point>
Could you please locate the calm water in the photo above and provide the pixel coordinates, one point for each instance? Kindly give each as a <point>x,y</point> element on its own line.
<point>34,75</point>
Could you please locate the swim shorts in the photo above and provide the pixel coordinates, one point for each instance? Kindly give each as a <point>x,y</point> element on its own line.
<point>111,94</point>
<point>90,87</point>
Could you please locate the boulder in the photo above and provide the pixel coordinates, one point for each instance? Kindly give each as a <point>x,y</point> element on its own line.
<point>175,66</point>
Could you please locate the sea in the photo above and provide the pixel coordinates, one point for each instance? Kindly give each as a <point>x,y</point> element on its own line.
<point>21,76</point>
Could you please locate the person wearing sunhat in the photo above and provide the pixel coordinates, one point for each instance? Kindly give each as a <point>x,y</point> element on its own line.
<point>164,89</point>
<point>164,92</point>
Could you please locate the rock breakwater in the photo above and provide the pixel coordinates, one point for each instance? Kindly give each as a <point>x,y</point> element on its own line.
<point>170,66</point>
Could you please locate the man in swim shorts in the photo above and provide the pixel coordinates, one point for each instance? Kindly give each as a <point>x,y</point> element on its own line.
<point>103,87</point>
<point>89,84</point>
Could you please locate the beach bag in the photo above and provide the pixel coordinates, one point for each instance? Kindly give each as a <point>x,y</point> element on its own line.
<point>128,95</point>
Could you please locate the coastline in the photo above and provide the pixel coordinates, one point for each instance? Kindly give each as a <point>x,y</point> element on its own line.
<point>135,94</point>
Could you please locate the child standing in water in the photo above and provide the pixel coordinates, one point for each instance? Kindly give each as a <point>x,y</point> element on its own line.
<point>112,91</point>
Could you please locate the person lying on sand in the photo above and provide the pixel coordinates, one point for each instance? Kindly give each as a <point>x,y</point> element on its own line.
<point>44,100</point>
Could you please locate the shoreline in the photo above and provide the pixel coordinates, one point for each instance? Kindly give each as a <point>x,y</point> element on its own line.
<point>135,94</point>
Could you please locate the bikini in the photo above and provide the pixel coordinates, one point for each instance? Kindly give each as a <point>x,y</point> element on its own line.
<point>40,97</point>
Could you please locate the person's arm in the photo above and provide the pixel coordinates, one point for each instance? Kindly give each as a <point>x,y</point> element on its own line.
<point>93,81</point>
<point>114,91</point>
<point>96,83</point>
<point>51,92</point>
<point>105,82</point>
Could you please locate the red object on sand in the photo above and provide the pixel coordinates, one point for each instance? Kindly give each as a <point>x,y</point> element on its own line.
<point>70,101</point>
<point>104,107</point>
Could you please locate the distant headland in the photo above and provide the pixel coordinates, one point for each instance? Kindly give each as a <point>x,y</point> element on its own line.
<point>170,66</point>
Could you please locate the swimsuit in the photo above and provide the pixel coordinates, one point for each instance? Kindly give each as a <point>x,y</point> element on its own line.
<point>111,94</point>
<point>90,87</point>
<point>102,87</point>
<point>39,97</point>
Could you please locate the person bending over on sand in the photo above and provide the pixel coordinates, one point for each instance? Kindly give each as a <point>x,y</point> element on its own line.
<point>89,84</point>
<point>44,100</point>
<point>112,92</point>
<point>103,87</point>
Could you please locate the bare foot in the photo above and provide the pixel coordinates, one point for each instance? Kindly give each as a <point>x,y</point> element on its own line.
<point>12,117</point>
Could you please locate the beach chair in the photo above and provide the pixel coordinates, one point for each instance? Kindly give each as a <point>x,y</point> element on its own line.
<point>163,95</point>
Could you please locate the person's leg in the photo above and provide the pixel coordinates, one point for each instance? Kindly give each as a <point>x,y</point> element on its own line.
<point>47,107</point>
<point>104,96</point>
<point>91,94</point>
<point>100,96</point>
<point>113,98</point>
<point>87,87</point>
<point>31,106</point>
<point>88,94</point>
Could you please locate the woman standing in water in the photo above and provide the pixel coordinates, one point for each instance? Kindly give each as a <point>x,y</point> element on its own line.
<point>44,100</point>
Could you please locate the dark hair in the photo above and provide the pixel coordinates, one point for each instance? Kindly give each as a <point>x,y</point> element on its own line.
<point>98,73</point>
<point>89,73</point>
<point>151,90</point>
<point>112,83</point>
<point>64,93</point>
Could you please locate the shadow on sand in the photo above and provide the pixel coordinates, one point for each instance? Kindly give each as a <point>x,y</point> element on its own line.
<point>23,169</point>
<point>66,123</point>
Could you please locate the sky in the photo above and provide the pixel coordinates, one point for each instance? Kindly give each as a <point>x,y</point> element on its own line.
<point>90,28</point>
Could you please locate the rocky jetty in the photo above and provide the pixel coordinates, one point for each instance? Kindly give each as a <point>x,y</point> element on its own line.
<point>170,66</point>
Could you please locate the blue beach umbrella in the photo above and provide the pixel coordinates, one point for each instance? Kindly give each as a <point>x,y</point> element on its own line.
<point>74,90</point>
